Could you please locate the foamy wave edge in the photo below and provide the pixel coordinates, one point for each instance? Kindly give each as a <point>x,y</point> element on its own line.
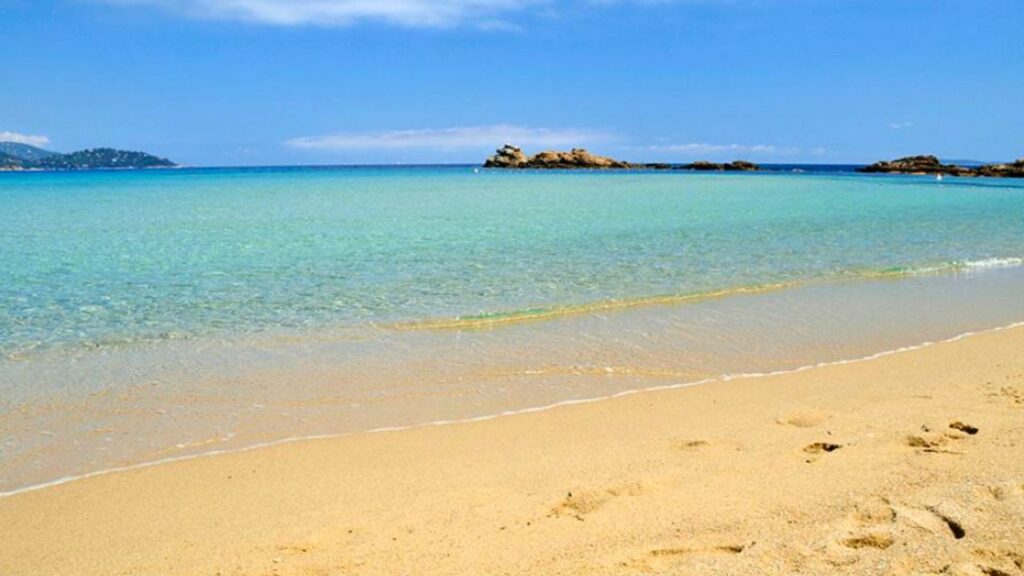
<point>994,263</point>
<point>495,319</point>
<point>545,408</point>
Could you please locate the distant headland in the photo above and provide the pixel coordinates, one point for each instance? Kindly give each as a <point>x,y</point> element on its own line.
<point>17,156</point>
<point>513,157</point>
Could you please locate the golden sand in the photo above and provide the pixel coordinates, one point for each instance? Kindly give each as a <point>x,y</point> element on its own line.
<point>911,463</point>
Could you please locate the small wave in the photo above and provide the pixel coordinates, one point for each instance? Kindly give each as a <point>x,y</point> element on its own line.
<point>493,320</point>
<point>995,263</point>
<point>953,267</point>
<point>515,316</point>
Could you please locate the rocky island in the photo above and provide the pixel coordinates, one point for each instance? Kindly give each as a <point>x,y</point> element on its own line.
<point>16,156</point>
<point>736,166</point>
<point>509,156</point>
<point>931,165</point>
<point>1012,170</point>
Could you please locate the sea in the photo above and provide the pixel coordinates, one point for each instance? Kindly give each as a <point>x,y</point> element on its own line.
<point>148,316</point>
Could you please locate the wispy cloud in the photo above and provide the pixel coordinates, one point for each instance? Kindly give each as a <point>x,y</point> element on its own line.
<point>900,125</point>
<point>451,138</point>
<point>412,13</point>
<point>483,14</point>
<point>30,139</point>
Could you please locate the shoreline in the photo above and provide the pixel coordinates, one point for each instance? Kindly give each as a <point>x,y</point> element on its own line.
<point>722,379</point>
<point>899,380</point>
<point>518,369</point>
<point>949,269</point>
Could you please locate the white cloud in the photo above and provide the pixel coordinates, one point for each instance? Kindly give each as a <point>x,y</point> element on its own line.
<point>900,125</point>
<point>484,14</point>
<point>451,138</point>
<point>30,139</point>
<point>417,13</point>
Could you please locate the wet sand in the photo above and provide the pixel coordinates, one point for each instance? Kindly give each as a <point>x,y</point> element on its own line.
<point>911,463</point>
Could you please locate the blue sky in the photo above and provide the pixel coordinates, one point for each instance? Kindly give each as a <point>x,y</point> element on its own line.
<point>235,82</point>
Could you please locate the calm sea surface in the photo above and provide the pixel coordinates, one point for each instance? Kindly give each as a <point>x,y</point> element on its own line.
<point>147,315</point>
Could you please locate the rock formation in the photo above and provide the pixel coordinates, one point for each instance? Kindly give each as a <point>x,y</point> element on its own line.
<point>1014,170</point>
<point>509,156</point>
<point>735,166</point>
<point>916,165</point>
<point>927,165</point>
<point>575,158</point>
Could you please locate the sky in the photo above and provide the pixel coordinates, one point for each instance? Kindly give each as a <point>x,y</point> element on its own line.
<point>272,82</point>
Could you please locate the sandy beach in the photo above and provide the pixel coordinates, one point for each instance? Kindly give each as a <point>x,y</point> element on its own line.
<point>911,463</point>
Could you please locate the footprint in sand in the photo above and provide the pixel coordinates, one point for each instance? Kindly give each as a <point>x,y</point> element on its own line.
<point>819,449</point>
<point>875,525</point>
<point>579,504</point>
<point>933,441</point>
<point>804,418</point>
<point>873,511</point>
<point>941,519</point>
<point>880,539</point>
<point>965,428</point>
<point>927,440</point>
<point>867,527</point>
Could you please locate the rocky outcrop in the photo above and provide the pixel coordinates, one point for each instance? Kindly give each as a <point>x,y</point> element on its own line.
<point>509,156</point>
<point>920,165</point>
<point>575,158</point>
<point>930,165</point>
<point>735,166</point>
<point>1014,170</point>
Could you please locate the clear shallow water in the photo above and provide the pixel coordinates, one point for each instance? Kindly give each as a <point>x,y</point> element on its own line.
<point>155,314</point>
<point>110,257</point>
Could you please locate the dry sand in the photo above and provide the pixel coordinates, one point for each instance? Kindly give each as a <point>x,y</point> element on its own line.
<point>907,464</point>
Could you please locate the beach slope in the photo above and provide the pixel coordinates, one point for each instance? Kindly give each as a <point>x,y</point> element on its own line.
<point>910,463</point>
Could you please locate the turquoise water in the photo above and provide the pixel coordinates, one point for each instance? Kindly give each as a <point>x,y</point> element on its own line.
<point>93,259</point>
<point>155,315</point>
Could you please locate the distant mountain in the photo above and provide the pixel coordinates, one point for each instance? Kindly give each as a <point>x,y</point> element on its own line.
<point>102,158</point>
<point>24,151</point>
<point>14,156</point>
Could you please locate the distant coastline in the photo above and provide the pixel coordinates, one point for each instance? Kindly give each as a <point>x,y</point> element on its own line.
<point>17,157</point>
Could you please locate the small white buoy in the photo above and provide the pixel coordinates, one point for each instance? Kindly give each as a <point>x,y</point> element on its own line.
<point>938,177</point>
